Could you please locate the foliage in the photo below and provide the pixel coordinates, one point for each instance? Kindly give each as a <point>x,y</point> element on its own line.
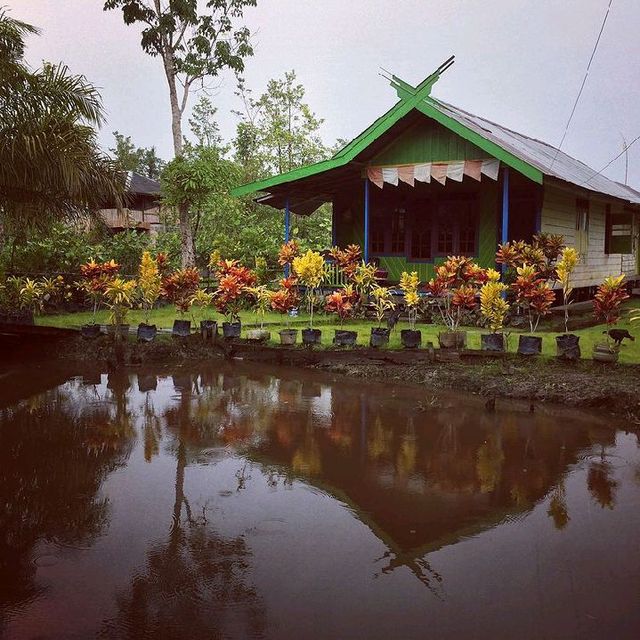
<point>140,160</point>
<point>543,253</point>
<point>609,296</point>
<point>455,287</point>
<point>149,283</point>
<point>341,302</point>
<point>564,270</point>
<point>31,296</point>
<point>120,295</point>
<point>94,281</point>
<point>200,300</point>
<point>533,294</point>
<point>493,305</point>
<point>288,251</point>
<point>310,271</point>
<point>347,259</point>
<point>262,301</point>
<point>234,286</point>
<point>180,286</point>
<point>51,166</point>
<point>409,283</point>
<point>285,299</point>
<point>382,302</point>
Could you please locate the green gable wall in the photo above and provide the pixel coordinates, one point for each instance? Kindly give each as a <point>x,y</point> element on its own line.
<point>427,141</point>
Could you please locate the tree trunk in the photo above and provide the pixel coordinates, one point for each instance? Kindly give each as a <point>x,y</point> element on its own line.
<point>186,234</point>
<point>186,237</point>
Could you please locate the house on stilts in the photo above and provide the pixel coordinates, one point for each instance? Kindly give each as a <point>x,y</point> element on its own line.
<point>427,180</point>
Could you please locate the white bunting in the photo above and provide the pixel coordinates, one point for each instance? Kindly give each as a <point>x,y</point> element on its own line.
<point>422,172</point>
<point>490,168</point>
<point>390,175</point>
<point>455,171</point>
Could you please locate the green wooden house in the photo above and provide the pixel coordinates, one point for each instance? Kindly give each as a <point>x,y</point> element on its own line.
<point>427,180</point>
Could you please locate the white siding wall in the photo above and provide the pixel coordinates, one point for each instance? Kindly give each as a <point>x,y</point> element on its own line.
<point>559,216</point>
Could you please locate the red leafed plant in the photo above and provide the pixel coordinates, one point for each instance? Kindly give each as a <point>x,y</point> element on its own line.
<point>234,286</point>
<point>286,297</point>
<point>347,259</point>
<point>455,288</point>
<point>533,294</point>
<point>180,286</point>
<point>341,303</point>
<point>609,296</point>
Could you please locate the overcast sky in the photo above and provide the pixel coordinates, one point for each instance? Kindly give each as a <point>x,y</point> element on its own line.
<point>518,62</point>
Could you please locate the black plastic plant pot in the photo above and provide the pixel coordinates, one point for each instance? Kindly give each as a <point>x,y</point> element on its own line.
<point>147,332</point>
<point>311,336</point>
<point>22,317</point>
<point>181,328</point>
<point>4,317</point>
<point>90,331</point>
<point>147,382</point>
<point>568,347</point>
<point>410,338</point>
<point>492,341</point>
<point>529,345</point>
<point>345,338</point>
<point>231,330</point>
<point>379,337</point>
<point>208,329</point>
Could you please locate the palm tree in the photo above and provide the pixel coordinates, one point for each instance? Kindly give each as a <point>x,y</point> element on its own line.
<point>51,167</point>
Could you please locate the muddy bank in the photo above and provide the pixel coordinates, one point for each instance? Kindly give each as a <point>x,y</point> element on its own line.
<point>585,384</point>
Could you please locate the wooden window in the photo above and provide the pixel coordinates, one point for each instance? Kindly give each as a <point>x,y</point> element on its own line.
<point>468,234</point>
<point>377,233</point>
<point>618,232</point>
<point>421,241</point>
<point>582,227</point>
<point>398,231</point>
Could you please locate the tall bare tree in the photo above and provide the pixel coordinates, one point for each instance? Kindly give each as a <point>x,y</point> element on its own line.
<point>194,46</point>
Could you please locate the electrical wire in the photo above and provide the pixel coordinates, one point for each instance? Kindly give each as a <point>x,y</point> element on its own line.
<point>584,82</point>
<point>597,173</point>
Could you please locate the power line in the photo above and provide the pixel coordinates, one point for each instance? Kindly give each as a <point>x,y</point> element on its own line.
<point>584,81</point>
<point>627,147</point>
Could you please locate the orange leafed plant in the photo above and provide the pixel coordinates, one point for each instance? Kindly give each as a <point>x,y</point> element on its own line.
<point>347,259</point>
<point>340,303</point>
<point>609,296</point>
<point>180,286</point>
<point>288,251</point>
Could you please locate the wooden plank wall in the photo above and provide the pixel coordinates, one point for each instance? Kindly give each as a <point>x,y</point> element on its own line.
<point>559,216</point>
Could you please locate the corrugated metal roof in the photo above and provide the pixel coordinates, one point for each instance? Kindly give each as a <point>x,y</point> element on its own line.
<point>543,156</point>
<point>141,185</point>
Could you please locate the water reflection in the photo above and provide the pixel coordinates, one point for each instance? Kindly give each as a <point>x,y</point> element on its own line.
<point>421,474</point>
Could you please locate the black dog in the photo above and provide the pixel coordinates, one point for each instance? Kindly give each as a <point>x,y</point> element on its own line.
<point>618,335</point>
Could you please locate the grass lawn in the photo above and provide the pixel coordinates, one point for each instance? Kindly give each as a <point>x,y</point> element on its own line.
<point>164,317</point>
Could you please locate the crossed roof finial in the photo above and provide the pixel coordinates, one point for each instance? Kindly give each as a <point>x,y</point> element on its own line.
<point>406,91</point>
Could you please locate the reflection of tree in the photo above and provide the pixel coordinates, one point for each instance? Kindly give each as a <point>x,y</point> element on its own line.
<point>53,461</point>
<point>197,582</point>
<point>490,460</point>
<point>558,507</point>
<point>601,485</point>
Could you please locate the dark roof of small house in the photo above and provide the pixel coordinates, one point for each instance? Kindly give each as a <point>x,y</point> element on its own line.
<point>141,185</point>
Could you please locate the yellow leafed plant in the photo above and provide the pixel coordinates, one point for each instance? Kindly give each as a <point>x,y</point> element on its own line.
<point>310,270</point>
<point>149,283</point>
<point>493,306</point>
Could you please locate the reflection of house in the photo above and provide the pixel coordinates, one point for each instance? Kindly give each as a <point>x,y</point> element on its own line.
<point>142,211</point>
<point>427,180</point>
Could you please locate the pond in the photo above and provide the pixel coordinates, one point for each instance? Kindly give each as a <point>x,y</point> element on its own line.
<point>235,501</point>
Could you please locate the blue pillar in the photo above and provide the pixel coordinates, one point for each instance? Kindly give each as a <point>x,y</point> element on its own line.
<point>505,210</point>
<point>333,225</point>
<point>366,220</point>
<point>287,224</point>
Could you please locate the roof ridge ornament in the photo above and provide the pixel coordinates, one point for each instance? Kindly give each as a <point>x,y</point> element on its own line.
<point>407,92</point>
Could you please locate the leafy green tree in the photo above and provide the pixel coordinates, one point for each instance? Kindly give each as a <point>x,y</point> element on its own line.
<point>203,123</point>
<point>276,133</point>
<point>128,157</point>
<point>51,166</point>
<point>194,43</point>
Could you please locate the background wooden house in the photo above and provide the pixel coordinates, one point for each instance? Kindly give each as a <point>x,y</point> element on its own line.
<point>427,180</point>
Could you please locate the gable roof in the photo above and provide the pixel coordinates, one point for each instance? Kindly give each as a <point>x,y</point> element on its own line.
<point>141,185</point>
<point>532,158</point>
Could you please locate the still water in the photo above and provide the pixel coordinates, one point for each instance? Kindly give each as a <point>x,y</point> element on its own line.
<point>228,501</point>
